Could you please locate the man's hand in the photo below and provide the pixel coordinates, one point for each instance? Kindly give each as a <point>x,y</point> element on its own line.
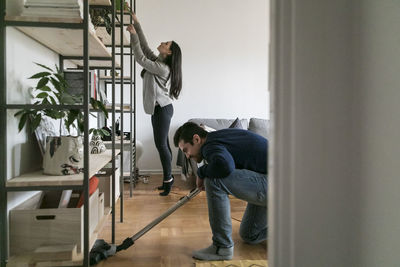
<point>200,184</point>
<point>131,29</point>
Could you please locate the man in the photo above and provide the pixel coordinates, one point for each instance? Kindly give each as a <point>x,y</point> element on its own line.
<point>235,163</point>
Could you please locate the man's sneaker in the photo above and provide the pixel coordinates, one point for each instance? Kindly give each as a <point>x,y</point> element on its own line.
<point>213,253</point>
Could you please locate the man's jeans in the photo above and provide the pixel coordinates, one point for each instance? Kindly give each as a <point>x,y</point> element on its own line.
<point>246,185</point>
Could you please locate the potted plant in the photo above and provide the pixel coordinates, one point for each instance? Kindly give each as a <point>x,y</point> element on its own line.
<point>101,17</point>
<point>118,5</point>
<point>63,154</point>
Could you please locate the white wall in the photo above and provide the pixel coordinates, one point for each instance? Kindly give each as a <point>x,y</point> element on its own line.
<point>22,151</point>
<point>334,184</point>
<point>225,62</point>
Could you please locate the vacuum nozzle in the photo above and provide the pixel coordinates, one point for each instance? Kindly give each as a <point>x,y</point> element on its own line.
<point>126,244</point>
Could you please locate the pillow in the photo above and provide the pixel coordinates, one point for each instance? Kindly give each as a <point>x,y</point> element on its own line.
<point>93,183</point>
<point>207,128</point>
<point>259,126</point>
<point>236,124</point>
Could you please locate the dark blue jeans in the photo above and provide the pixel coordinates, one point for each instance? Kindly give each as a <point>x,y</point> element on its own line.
<point>161,120</point>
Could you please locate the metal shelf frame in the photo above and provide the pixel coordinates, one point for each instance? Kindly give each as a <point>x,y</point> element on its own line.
<point>86,109</point>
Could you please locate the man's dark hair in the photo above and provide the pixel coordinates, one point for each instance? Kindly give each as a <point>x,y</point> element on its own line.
<point>186,132</point>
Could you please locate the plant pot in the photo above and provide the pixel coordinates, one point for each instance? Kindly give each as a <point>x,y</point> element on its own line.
<point>96,145</point>
<point>63,156</point>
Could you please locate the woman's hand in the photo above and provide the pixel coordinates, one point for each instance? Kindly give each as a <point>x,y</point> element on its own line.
<point>134,18</point>
<point>131,29</point>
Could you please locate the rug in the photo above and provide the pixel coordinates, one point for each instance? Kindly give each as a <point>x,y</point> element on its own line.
<point>234,263</point>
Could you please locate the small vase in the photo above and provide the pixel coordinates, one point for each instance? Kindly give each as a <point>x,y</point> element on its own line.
<point>96,145</point>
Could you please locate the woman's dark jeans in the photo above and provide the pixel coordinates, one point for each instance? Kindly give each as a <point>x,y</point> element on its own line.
<point>161,120</point>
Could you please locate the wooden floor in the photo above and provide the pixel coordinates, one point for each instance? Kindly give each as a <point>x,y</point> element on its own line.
<point>171,242</point>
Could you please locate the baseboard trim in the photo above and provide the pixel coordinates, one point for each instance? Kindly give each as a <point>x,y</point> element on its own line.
<point>157,171</point>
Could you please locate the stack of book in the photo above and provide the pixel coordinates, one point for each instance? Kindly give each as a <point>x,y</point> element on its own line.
<point>53,8</point>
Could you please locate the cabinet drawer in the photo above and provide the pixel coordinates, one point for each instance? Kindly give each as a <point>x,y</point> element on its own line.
<point>31,227</point>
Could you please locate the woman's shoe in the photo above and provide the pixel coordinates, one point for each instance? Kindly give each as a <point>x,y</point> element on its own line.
<point>167,187</point>
<point>161,187</point>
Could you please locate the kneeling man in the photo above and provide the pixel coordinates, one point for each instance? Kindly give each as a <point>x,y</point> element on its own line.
<point>235,163</point>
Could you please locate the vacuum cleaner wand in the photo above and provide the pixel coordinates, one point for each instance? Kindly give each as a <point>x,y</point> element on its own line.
<point>104,250</point>
<point>131,240</point>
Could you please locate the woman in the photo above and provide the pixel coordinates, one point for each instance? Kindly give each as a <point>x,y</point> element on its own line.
<point>162,82</point>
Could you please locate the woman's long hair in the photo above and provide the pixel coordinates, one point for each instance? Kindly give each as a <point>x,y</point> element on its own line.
<point>174,62</point>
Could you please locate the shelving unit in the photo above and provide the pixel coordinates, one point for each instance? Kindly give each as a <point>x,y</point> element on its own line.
<point>74,40</point>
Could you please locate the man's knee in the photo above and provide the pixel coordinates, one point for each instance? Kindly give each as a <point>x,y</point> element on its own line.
<point>252,238</point>
<point>214,186</point>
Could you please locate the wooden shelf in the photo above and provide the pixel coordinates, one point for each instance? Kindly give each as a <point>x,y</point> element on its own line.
<point>100,2</point>
<point>126,107</point>
<point>96,162</point>
<point>106,38</point>
<point>98,63</point>
<point>117,142</point>
<point>117,78</point>
<point>43,19</point>
<point>66,42</point>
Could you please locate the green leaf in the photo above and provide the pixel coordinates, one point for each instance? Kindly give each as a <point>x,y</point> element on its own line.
<point>55,114</point>
<point>67,99</point>
<point>45,89</point>
<point>93,102</point>
<point>106,133</point>
<point>91,130</point>
<point>60,78</point>
<point>43,66</point>
<point>42,95</point>
<point>42,82</point>
<point>35,122</point>
<point>56,84</point>
<point>40,75</point>
<point>52,100</point>
<point>19,113</point>
<point>81,126</point>
<point>103,108</point>
<point>72,116</point>
<point>22,121</point>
